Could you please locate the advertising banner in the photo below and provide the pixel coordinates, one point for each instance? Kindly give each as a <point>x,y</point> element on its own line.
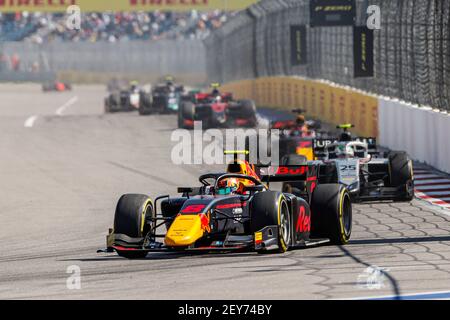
<point>298,45</point>
<point>326,13</point>
<point>363,52</point>
<point>123,5</point>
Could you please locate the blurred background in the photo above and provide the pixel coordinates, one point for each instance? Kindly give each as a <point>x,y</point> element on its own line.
<point>143,45</point>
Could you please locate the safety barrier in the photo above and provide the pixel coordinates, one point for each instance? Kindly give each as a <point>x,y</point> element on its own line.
<point>423,132</point>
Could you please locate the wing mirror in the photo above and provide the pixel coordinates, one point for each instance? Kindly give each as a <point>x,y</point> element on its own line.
<point>254,188</point>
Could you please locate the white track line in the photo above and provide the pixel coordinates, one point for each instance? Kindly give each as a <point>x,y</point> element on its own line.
<point>29,123</point>
<point>66,105</point>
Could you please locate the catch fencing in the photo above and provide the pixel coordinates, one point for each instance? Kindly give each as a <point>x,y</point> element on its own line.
<point>411,50</point>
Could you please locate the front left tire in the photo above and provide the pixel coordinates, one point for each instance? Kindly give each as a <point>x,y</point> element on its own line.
<point>129,220</point>
<point>270,208</point>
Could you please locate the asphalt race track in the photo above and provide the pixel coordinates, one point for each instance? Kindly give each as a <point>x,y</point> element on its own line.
<point>60,178</point>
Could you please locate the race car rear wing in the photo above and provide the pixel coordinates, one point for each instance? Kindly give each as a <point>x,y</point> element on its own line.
<point>319,145</point>
<point>283,173</point>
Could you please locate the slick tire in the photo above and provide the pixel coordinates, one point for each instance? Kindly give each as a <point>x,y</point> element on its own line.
<point>270,208</point>
<point>401,174</point>
<point>145,107</point>
<point>144,110</point>
<point>331,213</point>
<point>129,220</point>
<point>186,112</point>
<point>249,110</point>
<point>107,108</point>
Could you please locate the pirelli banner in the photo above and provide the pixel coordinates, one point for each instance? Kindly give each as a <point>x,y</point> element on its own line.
<point>123,5</point>
<point>320,100</point>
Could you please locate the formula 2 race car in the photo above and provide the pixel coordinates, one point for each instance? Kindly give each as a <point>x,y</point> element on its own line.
<point>166,99</point>
<point>57,86</point>
<point>369,175</point>
<point>127,99</point>
<point>216,110</point>
<point>235,211</point>
<point>297,136</point>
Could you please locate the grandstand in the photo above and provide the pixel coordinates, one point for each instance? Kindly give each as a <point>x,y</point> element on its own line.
<point>110,27</point>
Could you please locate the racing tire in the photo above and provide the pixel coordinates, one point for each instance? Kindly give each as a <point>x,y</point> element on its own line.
<point>129,220</point>
<point>331,213</point>
<point>401,174</point>
<point>186,112</point>
<point>270,208</point>
<point>107,107</point>
<point>249,110</point>
<point>144,110</point>
<point>145,107</point>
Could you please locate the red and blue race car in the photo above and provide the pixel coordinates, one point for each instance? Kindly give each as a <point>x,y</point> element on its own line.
<point>235,211</point>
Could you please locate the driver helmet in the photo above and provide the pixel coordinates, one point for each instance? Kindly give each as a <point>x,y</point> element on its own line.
<point>228,186</point>
<point>218,99</point>
<point>343,151</point>
<point>345,137</point>
<point>133,85</point>
<point>300,120</point>
<point>242,167</point>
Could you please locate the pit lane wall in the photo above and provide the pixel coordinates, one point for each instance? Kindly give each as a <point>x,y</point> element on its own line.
<point>423,132</point>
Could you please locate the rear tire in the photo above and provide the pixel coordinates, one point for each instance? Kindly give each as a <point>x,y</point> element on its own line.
<point>107,108</point>
<point>401,174</point>
<point>249,111</point>
<point>331,213</point>
<point>270,208</point>
<point>145,107</point>
<point>186,112</point>
<point>129,220</point>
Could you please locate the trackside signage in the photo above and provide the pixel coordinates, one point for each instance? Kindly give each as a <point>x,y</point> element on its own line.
<point>298,45</point>
<point>326,13</point>
<point>123,5</point>
<point>363,52</point>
